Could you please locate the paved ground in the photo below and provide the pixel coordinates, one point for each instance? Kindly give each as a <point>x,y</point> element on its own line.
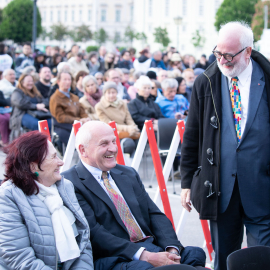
<point>193,234</point>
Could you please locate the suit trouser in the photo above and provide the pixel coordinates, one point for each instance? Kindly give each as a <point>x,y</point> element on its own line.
<point>228,230</point>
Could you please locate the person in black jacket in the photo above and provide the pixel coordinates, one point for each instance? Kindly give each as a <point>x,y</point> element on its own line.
<point>143,106</point>
<point>4,119</point>
<point>125,63</point>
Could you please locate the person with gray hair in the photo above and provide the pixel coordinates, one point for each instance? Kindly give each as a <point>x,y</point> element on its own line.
<point>225,153</point>
<point>172,105</point>
<point>157,61</point>
<point>92,95</point>
<point>143,107</point>
<point>8,84</point>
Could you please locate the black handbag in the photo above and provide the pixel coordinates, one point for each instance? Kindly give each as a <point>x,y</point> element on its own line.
<point>40,115</point>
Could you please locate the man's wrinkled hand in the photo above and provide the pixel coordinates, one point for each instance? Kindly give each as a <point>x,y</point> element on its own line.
<point>159,258</point>
<point>185,199</point>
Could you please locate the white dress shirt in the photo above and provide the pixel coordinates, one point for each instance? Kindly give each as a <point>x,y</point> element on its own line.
<point>244,81</point>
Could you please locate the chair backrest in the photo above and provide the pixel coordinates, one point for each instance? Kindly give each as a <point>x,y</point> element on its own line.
<point>253,258</point>
<point>176,267</point>
<point>166,129</point>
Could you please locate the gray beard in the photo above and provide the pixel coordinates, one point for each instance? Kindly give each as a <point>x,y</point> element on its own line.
<point>189,84</point>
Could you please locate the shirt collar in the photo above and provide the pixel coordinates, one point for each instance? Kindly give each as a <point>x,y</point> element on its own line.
<point>65,93</point>
<point>245,75</point>
<point>96,172</point>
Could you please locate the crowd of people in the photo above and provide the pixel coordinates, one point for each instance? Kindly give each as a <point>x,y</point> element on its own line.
<point>108,86</point>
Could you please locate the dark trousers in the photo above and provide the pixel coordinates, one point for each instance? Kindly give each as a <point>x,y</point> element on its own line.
<point>31,122</point>
<point>227,232</point>
<point>4,127</point>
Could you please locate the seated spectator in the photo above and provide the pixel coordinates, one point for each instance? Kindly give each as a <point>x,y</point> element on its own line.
<point>181,90</point>
<point>101,58</point>
<point>6,60</point>
<point>79,91</point>
<point>126,62</point>
<point>44,83</point>
<point>111,108</point>
<point>65,108</point>
<point>26,102</point>
<point>157,61</point>
<point>132,90</point>
<point>99,78</point>
<point>73,51</point>
<point>92,95</point>
<point>41,207</point>
<point>8,83</point>
<point>125,77</point>
<point>56,59</point>
<point>197,72</point>
<point>143,62</point>
<point>143,107</point>
<point>192,62</point>
<point>24,59</point>
<point>188,75</point>
<point>39,61</point>
<point>185,61</point>
<point>4,120</point>
<point>172,105</point>
<point>165,58</point>
<point>152,75</point>
<point>109,61</point>
<point>128,231</point>
<point>202,63</point>
<point>93,63</point>
<point>29,70</point>
<point>114,76</point>
<point>175,62</point>
<point>77,64</point>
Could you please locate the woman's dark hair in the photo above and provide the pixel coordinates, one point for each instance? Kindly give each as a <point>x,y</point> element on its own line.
<point>29,147</point>
<point>81,73</point>
<point>179,80</point>
<point>55,57</point>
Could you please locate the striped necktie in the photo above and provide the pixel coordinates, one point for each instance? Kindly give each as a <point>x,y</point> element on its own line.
<point>134,231</point>
<point>236,107</point>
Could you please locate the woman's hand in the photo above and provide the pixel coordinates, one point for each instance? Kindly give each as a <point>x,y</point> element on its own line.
<point>41,107</point>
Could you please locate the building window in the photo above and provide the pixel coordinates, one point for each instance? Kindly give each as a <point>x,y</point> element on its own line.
<point>103,15</point>
<point>201,8</point>
<point>131,12</point>
<point>184,28</point>
<point>184,7</point>
<point>51,16</point>
<point>167,8</point>
<point>117,15</point>
<point>66,13</point>
<point>72,16</point>
<point>150,7</point>
<point>59,15</point>
<point>80,15</point>
<point>150,28</point>
<point>89,15</point>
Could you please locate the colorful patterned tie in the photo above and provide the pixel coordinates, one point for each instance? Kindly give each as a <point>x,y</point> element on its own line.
<point>123,211</point>
<point>236,106</point>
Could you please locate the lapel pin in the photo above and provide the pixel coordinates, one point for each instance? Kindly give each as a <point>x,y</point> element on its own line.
<point>259,84</point>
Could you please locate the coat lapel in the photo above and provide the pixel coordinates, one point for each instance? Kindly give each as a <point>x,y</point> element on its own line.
<point>91,183</point>
<point>255,95</point>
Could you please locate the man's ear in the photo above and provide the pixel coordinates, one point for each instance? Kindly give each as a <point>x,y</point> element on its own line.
<point>82,151</point>
<point>249,51</point>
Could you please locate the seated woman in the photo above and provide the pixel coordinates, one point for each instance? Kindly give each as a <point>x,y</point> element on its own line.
<point>4,120</point>
<point>26,101</point>
<point>110,108</point>
<point>42,224</point>
<point>92,95</point>
<point>79,87</point>
<point>143,107</point>
<point>65,107</point>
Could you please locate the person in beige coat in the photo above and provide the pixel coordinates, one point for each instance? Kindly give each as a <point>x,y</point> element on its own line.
<point>77,64</point>
<point>92,95</point>
<point>110,108</point>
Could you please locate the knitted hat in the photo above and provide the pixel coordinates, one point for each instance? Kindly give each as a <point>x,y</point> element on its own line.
<point>152,75</point>
<point>109,85</point>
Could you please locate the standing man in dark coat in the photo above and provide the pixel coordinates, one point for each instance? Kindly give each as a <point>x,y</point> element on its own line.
<point>128,231</point>
<point>225,163</point>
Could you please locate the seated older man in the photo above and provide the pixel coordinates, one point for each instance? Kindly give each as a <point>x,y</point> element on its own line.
<point>172,105</point>
<point>128,231</point>
<point>8,83</point>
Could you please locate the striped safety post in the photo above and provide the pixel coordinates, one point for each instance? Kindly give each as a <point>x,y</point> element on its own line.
<point>44,128</point>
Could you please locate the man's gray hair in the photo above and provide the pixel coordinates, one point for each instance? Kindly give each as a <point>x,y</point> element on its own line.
<point>86,79</point>
<point>6,71</point>
<point>169,83</point>
<point>137,74</point>
<point>61,65</point>
<point>142,81</point>
<point>243,30</point>
<point>157,52</point>
<point>28,70</point>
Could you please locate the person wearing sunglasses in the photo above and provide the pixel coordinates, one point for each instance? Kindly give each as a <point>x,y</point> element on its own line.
<point>225,157</point>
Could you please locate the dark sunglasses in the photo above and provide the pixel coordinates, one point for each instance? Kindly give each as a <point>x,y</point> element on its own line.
<point>228,56</point>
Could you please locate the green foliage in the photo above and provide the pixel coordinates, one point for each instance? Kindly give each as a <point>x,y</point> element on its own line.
<point>141,36</point>
<point>17,21</point>
<point>43,33</point>
<point>122,49</point>
<point>101,36</point>
<point>117,38</point>
<point>197,40</point>
<point>161,36</point>
<point>92,49</point>
<point>235,10</point>
<point>81,33</point>
<point>257,24</point>
<point>130,34</point>
<point>59,32</point>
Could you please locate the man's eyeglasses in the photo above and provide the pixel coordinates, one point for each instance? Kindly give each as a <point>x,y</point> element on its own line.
<point>228,56</point>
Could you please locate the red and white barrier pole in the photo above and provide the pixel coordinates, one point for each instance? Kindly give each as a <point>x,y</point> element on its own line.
<point>120,157</point>
<point>44,128</point>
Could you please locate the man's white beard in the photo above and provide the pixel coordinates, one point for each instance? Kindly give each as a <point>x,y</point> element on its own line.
<point>189,84</point>
<point>237,69</point>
